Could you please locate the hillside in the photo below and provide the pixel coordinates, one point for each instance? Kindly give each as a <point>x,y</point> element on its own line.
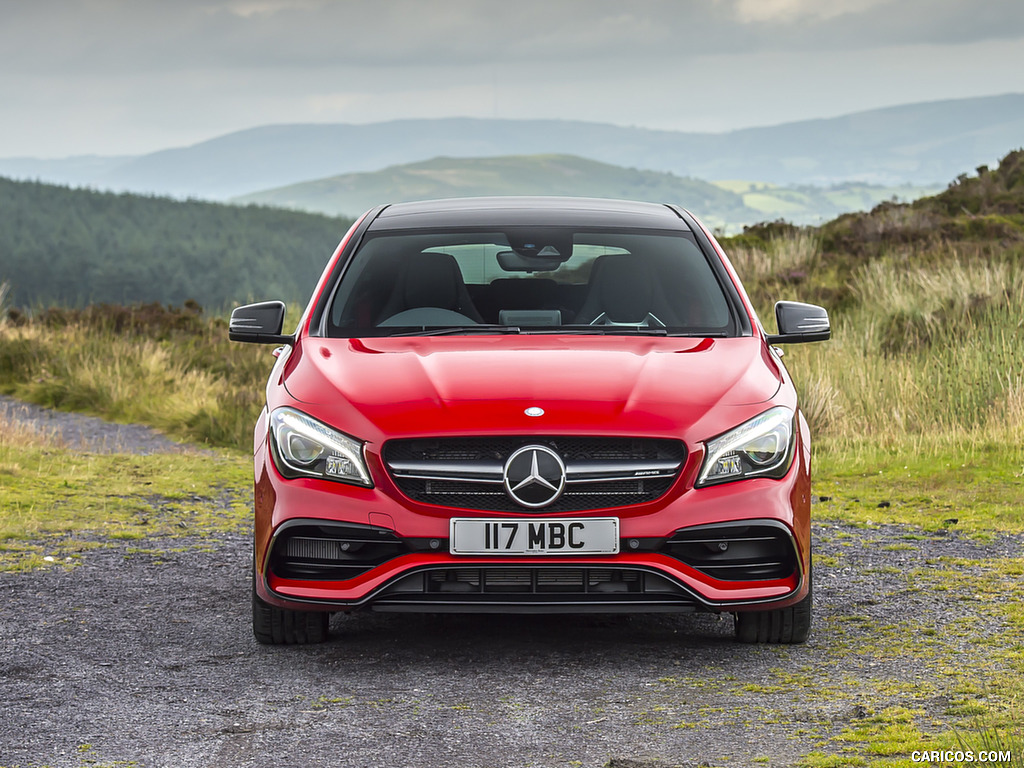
<point>803,204</point>
<point>986,208</point>
<point>727,205</point>
<point>564,175</point>
<point>915,143</point>
<point>922,271</point>
<point>74,247</point>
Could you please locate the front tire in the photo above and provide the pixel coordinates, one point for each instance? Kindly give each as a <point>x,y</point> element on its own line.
<point>278,626</point>
<point>782,625</point>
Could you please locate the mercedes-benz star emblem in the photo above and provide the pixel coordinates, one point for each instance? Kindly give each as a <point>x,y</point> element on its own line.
<point>534,476</point>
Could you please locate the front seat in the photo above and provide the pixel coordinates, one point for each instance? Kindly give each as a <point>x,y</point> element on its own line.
<point>626,289</point>
<point>429,280</point>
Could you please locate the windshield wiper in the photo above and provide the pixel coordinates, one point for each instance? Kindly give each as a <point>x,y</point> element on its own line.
<point>611,330</point>
<point>631,330</point>
<point>580,330</point>
<point>457,329</point>
<point>702,335</point>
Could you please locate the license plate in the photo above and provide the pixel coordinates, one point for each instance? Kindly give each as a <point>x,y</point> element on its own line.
<point>586,536</point>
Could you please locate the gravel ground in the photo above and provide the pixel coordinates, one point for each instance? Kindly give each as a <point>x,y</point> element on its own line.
<point>80,432</point>
<point>143,656</point>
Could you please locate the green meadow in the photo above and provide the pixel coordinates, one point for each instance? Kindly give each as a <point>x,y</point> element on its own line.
<point>814,204</point>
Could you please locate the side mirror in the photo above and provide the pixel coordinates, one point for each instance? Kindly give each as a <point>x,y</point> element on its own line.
<point>800,323</point>
<point>259,323</point>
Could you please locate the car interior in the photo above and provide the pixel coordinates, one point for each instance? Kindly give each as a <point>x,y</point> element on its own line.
<point>602,281</point>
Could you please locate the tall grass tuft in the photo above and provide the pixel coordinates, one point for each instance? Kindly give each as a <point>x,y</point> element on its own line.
<point>169,369</point>
<point>5,294</point>
<point>20,433</point>
<point>992,737</point>
<point>787,257</point>
<point>927,343</point>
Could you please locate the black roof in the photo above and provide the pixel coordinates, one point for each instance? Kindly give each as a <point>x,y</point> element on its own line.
<point>527,211</point>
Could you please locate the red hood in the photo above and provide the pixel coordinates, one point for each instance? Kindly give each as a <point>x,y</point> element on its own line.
<point>388,387</point>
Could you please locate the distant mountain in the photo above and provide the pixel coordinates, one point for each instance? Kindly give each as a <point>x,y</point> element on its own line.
<point>351,194</point>
<point>917,143</point>
<point>726,205</point>
<point>79,171</point>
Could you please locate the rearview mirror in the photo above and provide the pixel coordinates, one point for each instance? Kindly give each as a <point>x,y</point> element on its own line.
<point>259,323</point>
<point>510,261</point>
<point>800,323</point>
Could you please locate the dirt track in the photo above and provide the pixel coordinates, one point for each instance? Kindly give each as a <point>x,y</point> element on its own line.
<point>144,657</point>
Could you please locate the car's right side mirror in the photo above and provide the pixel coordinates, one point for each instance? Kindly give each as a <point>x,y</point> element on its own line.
<point>259,324</point>
<point>799,322</point>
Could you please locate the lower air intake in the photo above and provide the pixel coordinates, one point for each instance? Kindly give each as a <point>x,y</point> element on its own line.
<point>527,588</point>
<point>737,552</point>
<point>331,552</point>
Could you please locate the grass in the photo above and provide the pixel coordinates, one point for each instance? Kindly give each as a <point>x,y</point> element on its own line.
<point>56,504</point>
<point>1006,737</point>
<point>926,347</point>
<point>796,252</point>
<point>973,491</point>
<point>921,361</point>
<point>165,367</point>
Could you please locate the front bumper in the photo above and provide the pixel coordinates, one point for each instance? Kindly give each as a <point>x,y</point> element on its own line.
<point>442,583</point>
<point>670,557</point>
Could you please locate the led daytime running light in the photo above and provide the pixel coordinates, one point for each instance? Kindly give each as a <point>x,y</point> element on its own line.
<point>339,457</point>
<point>746,450</point>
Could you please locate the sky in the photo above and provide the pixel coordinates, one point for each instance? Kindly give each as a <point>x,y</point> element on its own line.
<point>115,77</point>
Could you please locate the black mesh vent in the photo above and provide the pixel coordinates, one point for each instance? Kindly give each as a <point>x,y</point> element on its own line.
<point>755,552</point>
<point>570,448</point>
<point>332,552</point>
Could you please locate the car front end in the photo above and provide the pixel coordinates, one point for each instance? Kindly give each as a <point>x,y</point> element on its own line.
<point>591,433</point>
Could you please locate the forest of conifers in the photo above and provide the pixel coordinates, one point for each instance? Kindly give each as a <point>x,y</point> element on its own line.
<point>73,247</point>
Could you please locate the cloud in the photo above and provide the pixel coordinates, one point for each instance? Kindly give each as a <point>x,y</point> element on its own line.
<point>131,75</point>
<point>758,11</point>
<point>107,36</point>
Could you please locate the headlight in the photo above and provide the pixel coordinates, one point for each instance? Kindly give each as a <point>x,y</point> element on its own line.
<point>304,447</point>
<point>761,447</point>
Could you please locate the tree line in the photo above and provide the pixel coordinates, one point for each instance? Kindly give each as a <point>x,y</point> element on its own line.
<point>74,247</point>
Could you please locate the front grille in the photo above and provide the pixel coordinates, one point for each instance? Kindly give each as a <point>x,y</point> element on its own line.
<point>526,585</point>
<point>736,552</point>
<point>600,472</point>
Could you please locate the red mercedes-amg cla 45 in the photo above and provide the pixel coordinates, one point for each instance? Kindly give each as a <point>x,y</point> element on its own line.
<point>530,405</point>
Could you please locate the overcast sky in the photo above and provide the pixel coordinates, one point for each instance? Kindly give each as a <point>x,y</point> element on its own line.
<point>133,76</point>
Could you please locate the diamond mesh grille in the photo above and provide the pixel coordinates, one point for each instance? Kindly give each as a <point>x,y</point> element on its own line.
<point>491,497</point>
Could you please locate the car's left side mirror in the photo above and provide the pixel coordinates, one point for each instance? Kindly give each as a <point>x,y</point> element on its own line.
<point>800,323</point>
<point>259,323</point>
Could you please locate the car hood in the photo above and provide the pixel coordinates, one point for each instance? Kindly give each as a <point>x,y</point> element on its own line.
<point>390,387</point>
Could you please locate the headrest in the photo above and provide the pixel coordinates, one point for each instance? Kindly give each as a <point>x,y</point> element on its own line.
<point>627,288</point>
<point>432,280</point>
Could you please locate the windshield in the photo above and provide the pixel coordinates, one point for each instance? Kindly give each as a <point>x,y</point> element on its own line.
<point>529,281</point>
